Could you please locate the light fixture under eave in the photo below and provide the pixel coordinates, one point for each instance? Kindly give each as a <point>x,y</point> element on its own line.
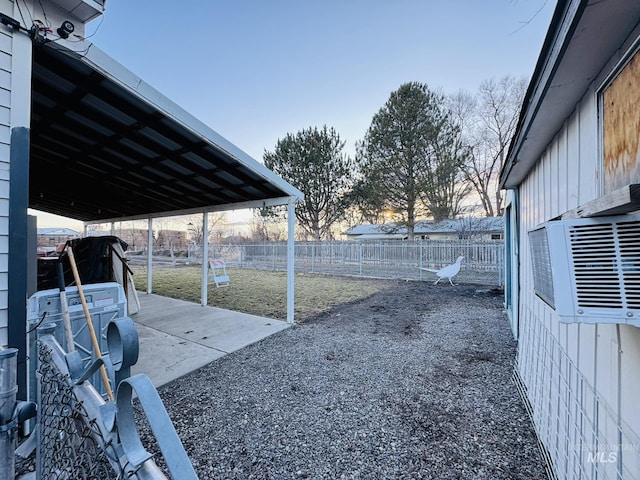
<point>65,29</point>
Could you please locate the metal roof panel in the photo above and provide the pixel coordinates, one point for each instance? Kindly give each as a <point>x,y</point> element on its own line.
<point>107,146</point>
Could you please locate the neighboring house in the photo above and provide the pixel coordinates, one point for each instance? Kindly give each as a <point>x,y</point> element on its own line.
<point>51,237</point>
<point>483,229</point>
<point>573,282</point>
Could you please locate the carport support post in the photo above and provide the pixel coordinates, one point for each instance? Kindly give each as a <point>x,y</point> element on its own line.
<point>291,221</point>
<point>149,254</point>
<point>14,190</point>
<point>205,259</point>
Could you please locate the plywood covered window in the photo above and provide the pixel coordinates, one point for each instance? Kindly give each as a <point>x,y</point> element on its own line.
<point>621,127</point>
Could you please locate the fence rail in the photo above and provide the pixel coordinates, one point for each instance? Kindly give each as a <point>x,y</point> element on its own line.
<point>380,259</point>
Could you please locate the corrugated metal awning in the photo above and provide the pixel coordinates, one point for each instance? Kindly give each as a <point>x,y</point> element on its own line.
<point>107,146</point>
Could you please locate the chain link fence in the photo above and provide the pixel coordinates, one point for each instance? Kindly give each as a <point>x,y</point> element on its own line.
<point>81,435</point>
<point>71,443</point>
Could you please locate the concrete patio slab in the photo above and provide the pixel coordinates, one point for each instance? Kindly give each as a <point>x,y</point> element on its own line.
<point>178,337</point>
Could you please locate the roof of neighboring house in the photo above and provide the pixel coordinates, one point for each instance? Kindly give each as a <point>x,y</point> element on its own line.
<point>583,37</point>
<point>57,232</point>
<point>458,225</point>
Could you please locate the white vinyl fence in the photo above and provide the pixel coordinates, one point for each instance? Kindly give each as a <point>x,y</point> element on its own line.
<point>377,259</point>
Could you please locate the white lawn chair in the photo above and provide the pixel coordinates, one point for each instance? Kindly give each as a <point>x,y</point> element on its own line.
<point>218,273</point>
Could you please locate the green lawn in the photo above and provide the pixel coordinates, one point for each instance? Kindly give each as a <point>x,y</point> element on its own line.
<point>260,292</point>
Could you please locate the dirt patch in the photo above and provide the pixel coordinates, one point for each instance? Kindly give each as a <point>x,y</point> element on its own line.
<point>411,382</point>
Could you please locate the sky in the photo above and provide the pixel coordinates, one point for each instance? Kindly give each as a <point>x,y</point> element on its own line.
<point>255,70</point>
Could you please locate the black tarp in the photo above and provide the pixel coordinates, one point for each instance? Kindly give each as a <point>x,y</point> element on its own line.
<point>93,259</point>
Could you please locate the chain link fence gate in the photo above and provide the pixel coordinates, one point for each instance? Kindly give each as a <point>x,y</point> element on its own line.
<point>81,435</point>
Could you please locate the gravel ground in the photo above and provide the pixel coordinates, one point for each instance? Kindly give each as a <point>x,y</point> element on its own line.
<point>411,383</point>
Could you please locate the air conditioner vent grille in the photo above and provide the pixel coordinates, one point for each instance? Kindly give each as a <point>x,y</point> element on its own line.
<point>542,274</point>
<point>629,240</point>
<point>606,262</point>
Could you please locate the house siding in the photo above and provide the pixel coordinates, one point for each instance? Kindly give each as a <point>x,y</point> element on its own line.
<point>583,381</point>
<point>6,42</point>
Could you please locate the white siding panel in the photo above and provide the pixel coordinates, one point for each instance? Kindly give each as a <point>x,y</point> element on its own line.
<point>552,181</point>
<point>5,141</point>
<point>6,49</point>
<point>589,176</point>
<point>630,393</point>
<point>4,149</point>
<point>3,328</point>
<point>572,163</point>
<point>583,390</point>
<point>5,61</point>
<point>5,116</point>
<point>544,187</point>
<point>4,192</point>
<point>5,97</point>
<point>4,279</point>
<point>6,41</point>
<point>562,180</point>
<point>5,79</point>
<point>587,358</point>
<point>607,364</point>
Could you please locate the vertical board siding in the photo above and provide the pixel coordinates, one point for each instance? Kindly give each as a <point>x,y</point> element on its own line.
<point>6,42</point>
<point>583,386</point>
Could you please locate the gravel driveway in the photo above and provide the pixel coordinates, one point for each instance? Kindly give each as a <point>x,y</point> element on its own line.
<point>411,383</point>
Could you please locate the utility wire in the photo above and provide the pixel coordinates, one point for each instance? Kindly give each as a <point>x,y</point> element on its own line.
<point>527,22</point>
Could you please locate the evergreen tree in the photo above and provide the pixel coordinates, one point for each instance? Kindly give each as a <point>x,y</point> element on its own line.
<point>312,160</point>
<point>411,156</point>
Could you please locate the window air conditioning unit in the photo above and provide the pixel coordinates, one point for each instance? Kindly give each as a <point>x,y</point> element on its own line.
<point>588,269</point>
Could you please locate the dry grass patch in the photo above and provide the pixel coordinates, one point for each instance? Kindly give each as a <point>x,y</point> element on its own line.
<point>261,292</point>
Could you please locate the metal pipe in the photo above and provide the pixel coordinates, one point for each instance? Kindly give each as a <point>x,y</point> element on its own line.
<point>8,391</point>
<point>204,285</point>
<point>149,255</point>
<point>291,259</point>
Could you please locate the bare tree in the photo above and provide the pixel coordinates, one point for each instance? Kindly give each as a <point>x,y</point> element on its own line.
<point>268,224</point>
<point>488,122</point>
<point>194,225</point>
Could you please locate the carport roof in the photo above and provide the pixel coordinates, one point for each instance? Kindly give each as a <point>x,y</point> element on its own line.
<point>106,146</point>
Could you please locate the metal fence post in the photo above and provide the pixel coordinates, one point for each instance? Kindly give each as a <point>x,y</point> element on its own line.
<point>273,257</point>
<point>420,265</point>
<point>360,257</point>
<point>501,266</point>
